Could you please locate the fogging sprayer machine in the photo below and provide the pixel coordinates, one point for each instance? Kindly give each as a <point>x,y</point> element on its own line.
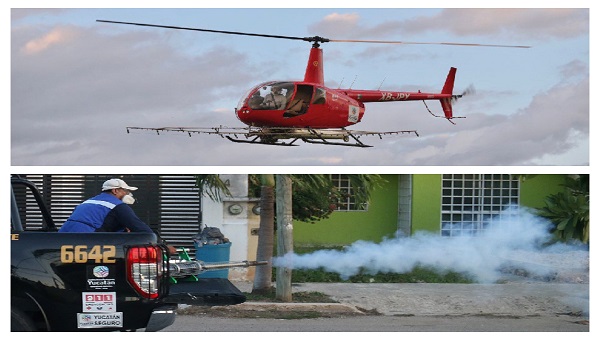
<point>185,268</point>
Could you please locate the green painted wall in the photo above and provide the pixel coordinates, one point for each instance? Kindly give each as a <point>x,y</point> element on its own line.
<point>427,200</point>
<point>346,227</point>
<point>535,189</point>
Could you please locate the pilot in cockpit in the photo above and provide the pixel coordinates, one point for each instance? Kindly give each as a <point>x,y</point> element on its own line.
<point>274,100</point>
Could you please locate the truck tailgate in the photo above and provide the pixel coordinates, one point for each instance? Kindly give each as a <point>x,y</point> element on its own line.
<point>205,292</point>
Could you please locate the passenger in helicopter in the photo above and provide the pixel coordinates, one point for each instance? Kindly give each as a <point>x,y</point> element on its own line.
<point>297,107</point>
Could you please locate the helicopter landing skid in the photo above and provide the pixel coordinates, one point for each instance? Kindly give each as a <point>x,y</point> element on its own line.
<point>257,140</point>
<point>358,145</point>
<point>324,141</point>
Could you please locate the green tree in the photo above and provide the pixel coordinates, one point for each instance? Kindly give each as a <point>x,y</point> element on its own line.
<point>315,196</point>
<point>569,210</point>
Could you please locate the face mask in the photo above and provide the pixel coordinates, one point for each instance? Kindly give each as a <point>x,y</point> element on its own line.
<point>128,199</point>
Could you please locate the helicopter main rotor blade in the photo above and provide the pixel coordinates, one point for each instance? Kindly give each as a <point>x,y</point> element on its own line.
<point>310,39</point>
<point>315,39</point>
<point>424,43</point>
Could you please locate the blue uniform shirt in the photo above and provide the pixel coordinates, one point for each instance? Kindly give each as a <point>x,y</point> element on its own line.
<point>104,212</point>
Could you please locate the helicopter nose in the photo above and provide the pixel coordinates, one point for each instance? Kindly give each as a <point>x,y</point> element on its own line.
<point>243,114</point>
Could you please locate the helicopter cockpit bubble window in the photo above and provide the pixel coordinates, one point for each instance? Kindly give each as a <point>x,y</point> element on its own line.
<point>246,96</point>
<point>273,96</point>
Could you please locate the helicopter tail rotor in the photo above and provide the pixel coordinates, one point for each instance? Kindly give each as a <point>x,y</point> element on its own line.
<point>447,102</point>
<point>451,98</point>
<point>468,91</point>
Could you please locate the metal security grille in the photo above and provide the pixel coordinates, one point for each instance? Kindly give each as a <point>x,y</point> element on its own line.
<point>169,204</point>
<point>61,194</point>
<point>348,202</point>
<point>180,213</point>
<point>469,202</point>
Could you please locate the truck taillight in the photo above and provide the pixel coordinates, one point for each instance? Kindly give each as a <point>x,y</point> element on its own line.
<point>145,270</point>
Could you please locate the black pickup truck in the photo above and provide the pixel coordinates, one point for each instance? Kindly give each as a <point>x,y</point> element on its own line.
<point>101,281</point>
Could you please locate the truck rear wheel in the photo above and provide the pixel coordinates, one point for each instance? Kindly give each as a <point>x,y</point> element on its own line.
<point>20,322</point>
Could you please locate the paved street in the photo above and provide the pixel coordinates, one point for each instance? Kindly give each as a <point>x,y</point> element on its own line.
<point>187,323</point>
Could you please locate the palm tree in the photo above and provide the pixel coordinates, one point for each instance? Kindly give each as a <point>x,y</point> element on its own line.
<point>266,235</point>
<point>212,186</point>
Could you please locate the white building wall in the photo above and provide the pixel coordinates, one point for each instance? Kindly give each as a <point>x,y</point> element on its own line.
<point>236,219</point>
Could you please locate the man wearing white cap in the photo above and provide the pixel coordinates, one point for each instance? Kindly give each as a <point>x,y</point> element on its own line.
<point>108,211</point>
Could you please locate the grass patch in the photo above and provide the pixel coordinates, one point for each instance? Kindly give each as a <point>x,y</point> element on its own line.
<point>298,297</point>
<point>225,312</point>
<point>416,275</point>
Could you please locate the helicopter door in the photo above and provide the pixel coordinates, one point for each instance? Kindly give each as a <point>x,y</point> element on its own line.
<point>299,104</point>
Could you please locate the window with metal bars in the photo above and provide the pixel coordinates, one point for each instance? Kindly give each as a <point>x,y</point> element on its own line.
<point>469,202</point>
<point>347,201</point>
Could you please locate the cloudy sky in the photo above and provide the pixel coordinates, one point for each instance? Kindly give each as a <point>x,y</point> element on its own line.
<point>76,84</point>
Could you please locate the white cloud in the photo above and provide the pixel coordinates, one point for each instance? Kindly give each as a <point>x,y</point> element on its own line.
<point>508,22</point>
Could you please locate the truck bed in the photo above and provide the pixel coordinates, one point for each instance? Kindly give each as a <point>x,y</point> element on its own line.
<point>205,292</point>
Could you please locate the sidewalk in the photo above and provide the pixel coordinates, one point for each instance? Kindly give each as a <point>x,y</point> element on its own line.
<point>425,299</point>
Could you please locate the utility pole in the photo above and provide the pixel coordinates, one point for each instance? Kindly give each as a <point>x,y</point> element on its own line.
<point>285,241</point>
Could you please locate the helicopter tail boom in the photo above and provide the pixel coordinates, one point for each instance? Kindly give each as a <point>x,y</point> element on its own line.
<point>366,96</point>
<point>445,97</point>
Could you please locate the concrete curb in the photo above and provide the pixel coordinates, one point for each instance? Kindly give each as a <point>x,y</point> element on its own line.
<point>334,308</point>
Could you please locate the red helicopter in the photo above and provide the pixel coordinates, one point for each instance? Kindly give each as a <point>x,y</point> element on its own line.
<point>284,112</point>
